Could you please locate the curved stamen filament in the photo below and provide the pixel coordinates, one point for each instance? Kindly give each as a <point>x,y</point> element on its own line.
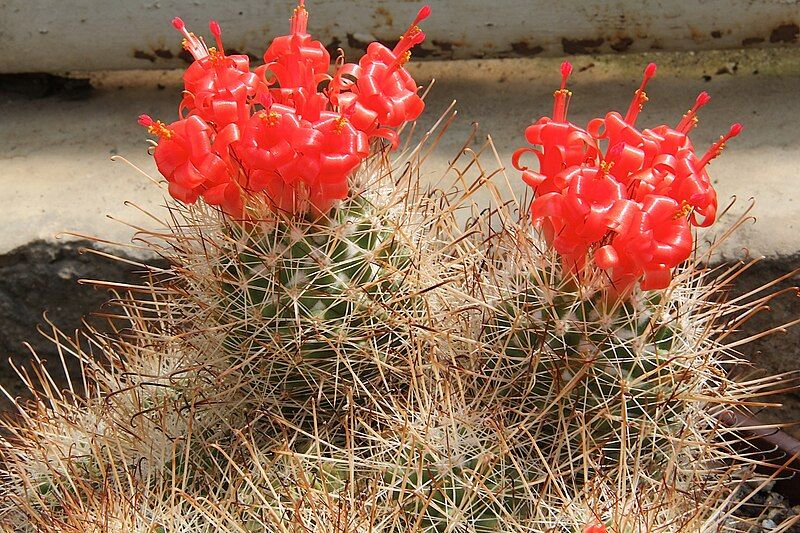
<point>413,35</point>
<point>191,42</point>
<point>298,24</point>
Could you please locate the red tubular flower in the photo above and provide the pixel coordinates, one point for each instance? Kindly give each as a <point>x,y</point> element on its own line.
<point>633,214</point>
<point>650,239</point>
<point>384,95</point>
<point>277,131</point>
<point>294,66</point>
<point>563,144</point>
<point>190,160</point>
<point>299,163</point>
<point>217,86</point>
<point>577,215</point>
<point>634,150</point>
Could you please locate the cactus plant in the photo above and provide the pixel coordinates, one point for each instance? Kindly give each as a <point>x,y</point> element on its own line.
<point>307,272</point>
<point>610,367</point>
<point>329,351</point>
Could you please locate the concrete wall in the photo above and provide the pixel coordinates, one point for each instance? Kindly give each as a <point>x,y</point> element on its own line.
<point>58,35</point>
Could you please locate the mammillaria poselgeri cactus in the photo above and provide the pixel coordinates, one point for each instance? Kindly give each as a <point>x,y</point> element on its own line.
<point>312,260</point>
<point>604,343</point>
<point>619,221</point>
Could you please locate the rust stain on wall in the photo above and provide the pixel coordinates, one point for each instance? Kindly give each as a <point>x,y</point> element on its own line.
<point>785,33</point>
<point>444,46</point>
<point>622,44</point>
<point>356,43</point>
<point>235,52</point>
<point>141,54</point>
<point>581,46</point>
<point>186,56</point>
<point>333,46</point>
<point>524,48</point>
<point>749,41</point>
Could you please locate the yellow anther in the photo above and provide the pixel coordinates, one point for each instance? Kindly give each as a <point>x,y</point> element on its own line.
<point>721,146</point>
<point>159,129</point>
<point>214,55</point>
<point>185,42</point>
<point>405,57</point>
<point>565,92</point>
<point>684,210</point>
<point>692,117</point>
<point>641,98</point>
<point>339,124</point>
<point>272,118</point>
<point>605,167</point>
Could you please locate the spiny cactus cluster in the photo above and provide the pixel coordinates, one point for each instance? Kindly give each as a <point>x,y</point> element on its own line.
<point>320,360</point>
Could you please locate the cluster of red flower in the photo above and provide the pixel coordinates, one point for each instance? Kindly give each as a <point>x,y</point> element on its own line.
<point>631,208</point>
<point>274,130</point>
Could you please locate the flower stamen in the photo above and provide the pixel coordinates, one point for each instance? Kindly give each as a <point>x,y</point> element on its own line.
<point>413,35</point>
<point>690,119</point>
<point>216,31</point>
<point>298,24</point>
<point>719,146</point>
<point>640,96</point>
<point>155,127</point>
<point>272,118</point>
<point>339,124</point>
<point>191,42</point>
<point>683,211</point>
<point>562,95</point>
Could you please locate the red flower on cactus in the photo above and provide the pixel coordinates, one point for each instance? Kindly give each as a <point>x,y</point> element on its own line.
<point>384,95</point>
<point>578,214</point>
<point>294,66</point>
<point>649,239</point>
<point>194,163</point>
<point>563,144</point>
<point>217,86</point>
<point>317,155</point>
<point>631,207</point>
<point>278,131</point>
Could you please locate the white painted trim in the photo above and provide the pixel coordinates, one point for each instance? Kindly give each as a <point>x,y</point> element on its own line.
<point>58,35</point>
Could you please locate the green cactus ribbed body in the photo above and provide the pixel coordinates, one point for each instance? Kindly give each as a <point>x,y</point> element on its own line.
<point>454,474</point>
<point>318,307</point>
<point>605,376</point>
<point>476,494</point>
